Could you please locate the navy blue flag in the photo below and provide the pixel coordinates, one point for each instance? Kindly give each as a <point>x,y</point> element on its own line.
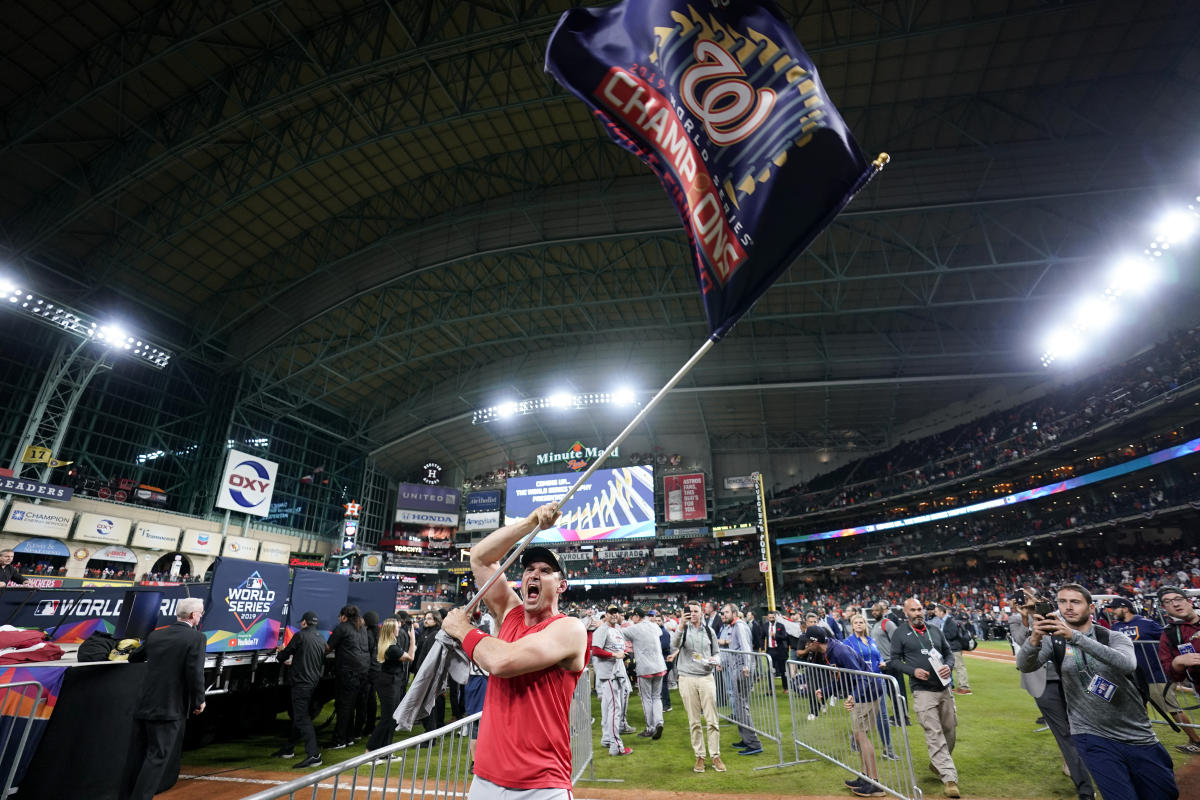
<point>724,105</point>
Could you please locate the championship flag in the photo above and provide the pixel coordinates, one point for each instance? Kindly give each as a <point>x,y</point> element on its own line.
<point>42,455</point>
<point>724,105</point>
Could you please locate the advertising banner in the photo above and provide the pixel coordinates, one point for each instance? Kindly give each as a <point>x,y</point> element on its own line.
<point>612,504</point>
<point>32,488</point>
<point>441,518</point>
<point>372,562</point>
<point>274,552</point>
<point>38,520</point>
<point>584,555</point>
<point>416,497</point>
<point>705,578</point>
<point>377,596</point>
<point>102,528</point>
<point>240,547</point>
<point>245,608</point>
<point>666,551</point>
<point>610,554</point>
<point>683,496</point>
<point>247,484</point>
<point>483,501</point>
<point>482,521</point>
<point>38,582</point>
<point>115,553</point>
<point>322,592</point>
<point>154,536</point>
<point>82,613</point>
<point>202,543</point>
<point>740,482</point>
<point>43,547</point>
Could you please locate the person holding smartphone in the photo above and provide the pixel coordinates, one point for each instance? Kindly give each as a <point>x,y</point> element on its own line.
<point>1104,706</point>
<point>1043,684</point>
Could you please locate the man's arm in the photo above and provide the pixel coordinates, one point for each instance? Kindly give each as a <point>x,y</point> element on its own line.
<point>1032,654</point>
<point>487,555</point>
<point>194,664</point>
<point>561,643</point>
<point>677,637</point>
<point>899,658</point>
<point>1117,653</point>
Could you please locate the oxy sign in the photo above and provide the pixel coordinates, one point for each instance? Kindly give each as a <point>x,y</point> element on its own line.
<point>247,484</point>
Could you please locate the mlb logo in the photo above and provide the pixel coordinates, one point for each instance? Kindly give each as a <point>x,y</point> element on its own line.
<point>254,582</point>
<point>46,608</point>
<point>18,515</point>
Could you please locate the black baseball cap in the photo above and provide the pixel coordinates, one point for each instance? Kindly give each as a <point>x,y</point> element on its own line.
<point>310,617</point>
<point>817,634</point>
<point>534,554</point>
<point>1122,602</point>
<point>614,610</point>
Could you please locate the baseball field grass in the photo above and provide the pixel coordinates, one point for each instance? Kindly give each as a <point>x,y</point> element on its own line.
<point>999,753</point>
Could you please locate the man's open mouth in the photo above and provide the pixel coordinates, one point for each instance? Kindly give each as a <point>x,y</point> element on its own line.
<point>532,591</point>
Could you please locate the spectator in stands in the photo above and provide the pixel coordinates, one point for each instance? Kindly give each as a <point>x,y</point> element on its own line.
<point>695,650</point>
<point>922,653</point>
<point>1108,718</point>
<point>1146,634</point>
<point>739,677</point>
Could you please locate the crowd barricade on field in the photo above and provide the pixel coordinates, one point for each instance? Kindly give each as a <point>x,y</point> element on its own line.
<point>432,766</point>
<point>746,698</point>
<point>20,703</point>
<point>821,724</point>
<point>1171,693</point>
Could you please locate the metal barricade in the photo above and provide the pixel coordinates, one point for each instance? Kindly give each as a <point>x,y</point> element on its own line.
<point>433,766</point>
<point>823,725</point>
<point>1166,697</point>
<point>19,706</point>
<point>746,698</point>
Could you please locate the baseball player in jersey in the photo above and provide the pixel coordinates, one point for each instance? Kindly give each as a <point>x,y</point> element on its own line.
<point>612,681</point>
<point>524,748</point>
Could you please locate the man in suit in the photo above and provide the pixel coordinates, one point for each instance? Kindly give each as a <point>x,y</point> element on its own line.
<point>173,687</point>
<point>775,642</point>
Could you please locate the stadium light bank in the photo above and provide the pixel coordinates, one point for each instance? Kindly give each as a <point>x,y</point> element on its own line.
<point>559,401</point>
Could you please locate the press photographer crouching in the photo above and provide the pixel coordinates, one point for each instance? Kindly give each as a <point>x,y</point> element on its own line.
<point>1108,720</point>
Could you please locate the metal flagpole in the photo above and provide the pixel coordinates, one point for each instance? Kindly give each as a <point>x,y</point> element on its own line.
<point>637,420</point>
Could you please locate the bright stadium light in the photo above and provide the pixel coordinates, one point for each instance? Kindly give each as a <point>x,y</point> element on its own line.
<point>506,409</point>
<point>1094,314</point>
<point>559,400</point>
<point>28,303</point>
<point>1176,227</point>
<point>624,396</point>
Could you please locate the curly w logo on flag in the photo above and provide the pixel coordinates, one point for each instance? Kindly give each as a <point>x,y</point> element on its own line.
<point>723,104</point>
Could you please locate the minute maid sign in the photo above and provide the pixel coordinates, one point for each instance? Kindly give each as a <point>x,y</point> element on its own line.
<point>577,457</point>
<point>247,605</point>
<point>247,484</point>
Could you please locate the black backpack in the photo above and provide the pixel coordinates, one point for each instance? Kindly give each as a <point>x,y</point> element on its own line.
<point>96,647</point>
<point>1060,652</point>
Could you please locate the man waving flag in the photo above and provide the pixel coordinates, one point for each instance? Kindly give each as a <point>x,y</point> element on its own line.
<point>723,104</point>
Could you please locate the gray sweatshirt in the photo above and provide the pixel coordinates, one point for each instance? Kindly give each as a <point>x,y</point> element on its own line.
<point>647,647</point>
<point>611,639</point>
<point>1123,718</point>
<point>692,642</point>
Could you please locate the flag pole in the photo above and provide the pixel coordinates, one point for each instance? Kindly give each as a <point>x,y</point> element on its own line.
<point>637,420</point>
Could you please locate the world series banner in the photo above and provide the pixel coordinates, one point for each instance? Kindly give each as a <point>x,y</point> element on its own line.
<point>71,615</point>
<point>245,608</point>
<point>724,105</point>
<point>322,592</point>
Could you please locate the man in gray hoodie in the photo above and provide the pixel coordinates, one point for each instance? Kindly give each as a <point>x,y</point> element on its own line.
<point>651,669</point>
<point>1104,706</point>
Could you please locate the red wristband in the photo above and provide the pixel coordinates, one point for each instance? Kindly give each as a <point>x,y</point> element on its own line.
<point>471,641</point>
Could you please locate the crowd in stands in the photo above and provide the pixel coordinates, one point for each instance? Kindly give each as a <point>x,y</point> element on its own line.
<point>40,568</point>
<point>1010,525</point>
<point>998,438</point>
<point>694,557</point>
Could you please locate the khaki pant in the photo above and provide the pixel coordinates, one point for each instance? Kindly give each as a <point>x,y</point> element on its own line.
<point>699,695</point>
<point>960,671</point>
<point>937,715</point>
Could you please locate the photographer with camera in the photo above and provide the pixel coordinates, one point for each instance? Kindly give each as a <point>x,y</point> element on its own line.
<point>1108,721</point>
<point>1043,684</point>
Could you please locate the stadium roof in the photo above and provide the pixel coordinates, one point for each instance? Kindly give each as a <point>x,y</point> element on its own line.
<point>387,215</point>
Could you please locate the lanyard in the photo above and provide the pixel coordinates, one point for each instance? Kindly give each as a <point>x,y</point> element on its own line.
<point>927,633</point>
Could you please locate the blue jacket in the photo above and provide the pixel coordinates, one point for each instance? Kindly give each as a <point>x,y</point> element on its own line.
<point>868,651</point>
<point>842,655</point>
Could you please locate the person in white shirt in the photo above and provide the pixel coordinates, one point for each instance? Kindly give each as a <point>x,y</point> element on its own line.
<point>612,681</point>
<point>651,669</point>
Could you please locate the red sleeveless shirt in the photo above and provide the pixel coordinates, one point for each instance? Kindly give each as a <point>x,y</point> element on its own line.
<point>525,733</point>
